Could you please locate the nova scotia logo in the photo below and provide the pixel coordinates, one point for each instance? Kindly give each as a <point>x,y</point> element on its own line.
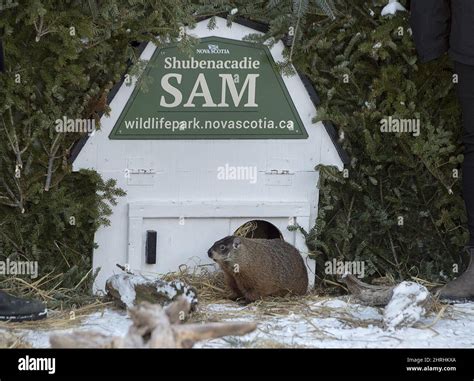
<point>213,49</point>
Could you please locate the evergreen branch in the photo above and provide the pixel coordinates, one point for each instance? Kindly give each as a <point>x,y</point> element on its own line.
<point>10,192</point>
<point>327,7</point>
<point>296,29</point>
<point>394,252</point>
<point>13,140</point>
<point>54,149</point>
<point>348,221</point>
<point>433,222</point>
<point>40,31</point>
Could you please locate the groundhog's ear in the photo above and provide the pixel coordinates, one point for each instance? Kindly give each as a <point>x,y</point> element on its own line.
<point>236,243</point>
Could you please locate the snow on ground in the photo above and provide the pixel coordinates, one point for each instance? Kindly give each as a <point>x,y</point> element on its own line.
<point>110,322</point>
<point>339,324</point>
<point>314,323</point>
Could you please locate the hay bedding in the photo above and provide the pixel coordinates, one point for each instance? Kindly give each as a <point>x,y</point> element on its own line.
<point>307,321</point>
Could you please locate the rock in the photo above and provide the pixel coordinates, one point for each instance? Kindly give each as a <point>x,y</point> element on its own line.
<point>409,303</point>
<point>131,289</point>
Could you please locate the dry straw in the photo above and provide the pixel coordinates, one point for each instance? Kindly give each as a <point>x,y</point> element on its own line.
<point>247,229</point>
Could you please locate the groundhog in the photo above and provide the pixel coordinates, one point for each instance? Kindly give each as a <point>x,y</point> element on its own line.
<point>255,268</point>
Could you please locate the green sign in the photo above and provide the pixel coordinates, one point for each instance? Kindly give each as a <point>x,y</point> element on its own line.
<point>226,90</point>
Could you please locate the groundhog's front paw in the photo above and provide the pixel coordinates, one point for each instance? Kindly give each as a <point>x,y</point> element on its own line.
<point>251,296</point>
<point>234,297</point>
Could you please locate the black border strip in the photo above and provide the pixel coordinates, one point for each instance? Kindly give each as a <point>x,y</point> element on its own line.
<point>367,364</point>
<point>328,125</point>
<point>260,27</point>
<point>332,132</point>
<point>257,25</point>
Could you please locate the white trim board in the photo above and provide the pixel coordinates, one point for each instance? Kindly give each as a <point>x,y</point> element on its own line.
<point>218,209</point>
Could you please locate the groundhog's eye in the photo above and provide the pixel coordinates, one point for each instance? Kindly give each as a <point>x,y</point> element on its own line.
<point>222,247</point>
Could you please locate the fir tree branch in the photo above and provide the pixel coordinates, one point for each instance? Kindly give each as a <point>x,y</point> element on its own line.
<point>13,140</point>
<point>8,189</point>
<point>54,149</point>
<point>296,30</point>
<point>40,32</point>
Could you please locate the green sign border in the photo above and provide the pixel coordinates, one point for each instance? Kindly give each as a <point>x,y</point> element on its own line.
<point>302,135</point>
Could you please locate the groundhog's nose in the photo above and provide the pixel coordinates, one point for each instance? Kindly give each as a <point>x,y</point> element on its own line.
<point>209,253</point>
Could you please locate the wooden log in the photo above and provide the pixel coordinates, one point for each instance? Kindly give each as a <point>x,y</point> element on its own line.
<point>151,328</point>
<point>89,339</point>
<point>188,334</point>
<point>154,327</point>
<point>368,294</point>
<point>178,311</point>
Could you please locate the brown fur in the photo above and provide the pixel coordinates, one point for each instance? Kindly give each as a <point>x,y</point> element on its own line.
<point>255,268</point>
